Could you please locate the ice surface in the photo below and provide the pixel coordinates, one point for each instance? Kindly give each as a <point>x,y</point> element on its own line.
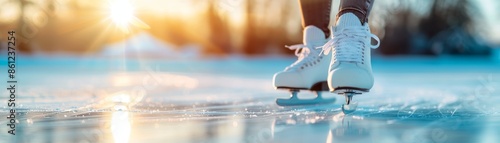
<point>87,99</point>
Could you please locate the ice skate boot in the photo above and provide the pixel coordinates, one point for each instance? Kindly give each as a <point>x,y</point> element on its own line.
<point>309,72</point>
<point>350,71</point>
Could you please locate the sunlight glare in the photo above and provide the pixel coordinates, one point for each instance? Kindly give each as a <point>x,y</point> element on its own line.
<point>121,98</point>
<point>120,126</point>
<point>121,13</point>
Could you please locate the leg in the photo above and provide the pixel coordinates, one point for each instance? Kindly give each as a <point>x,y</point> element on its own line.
<point>316,13</point>
<point>310,71</point>
<point>350,71</point>
<point>360,8</point>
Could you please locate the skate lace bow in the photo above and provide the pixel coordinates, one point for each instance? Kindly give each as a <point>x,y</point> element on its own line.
<point>301,51</point>
<point>349,44</point>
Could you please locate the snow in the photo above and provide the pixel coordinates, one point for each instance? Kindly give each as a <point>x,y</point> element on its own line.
<point>85,99</point>
<point>144,45</point>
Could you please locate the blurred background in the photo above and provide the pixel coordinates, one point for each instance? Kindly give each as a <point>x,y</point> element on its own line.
<point>172,28</point>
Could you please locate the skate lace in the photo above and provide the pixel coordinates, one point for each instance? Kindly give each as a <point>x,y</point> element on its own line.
<point>305,58</point>
<point>348,44</point>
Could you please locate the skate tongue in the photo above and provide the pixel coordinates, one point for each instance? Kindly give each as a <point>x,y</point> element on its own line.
<point>313,36</point>
<point>346,20</point>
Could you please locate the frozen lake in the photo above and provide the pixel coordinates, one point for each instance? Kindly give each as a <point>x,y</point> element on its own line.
<point>80,100</point>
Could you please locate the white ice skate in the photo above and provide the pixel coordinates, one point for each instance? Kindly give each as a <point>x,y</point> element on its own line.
<point>350,71</point>
<point>309,72</point>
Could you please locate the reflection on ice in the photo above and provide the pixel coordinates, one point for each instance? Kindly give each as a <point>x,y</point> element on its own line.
<point>120,118</point>
<point>120,124</point>
<point>364,126</point>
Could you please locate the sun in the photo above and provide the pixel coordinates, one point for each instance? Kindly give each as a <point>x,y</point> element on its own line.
<point>121,13</point>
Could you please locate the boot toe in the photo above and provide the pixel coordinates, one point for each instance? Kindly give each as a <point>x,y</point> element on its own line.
<point>288,79</point>
<point>350,76</point>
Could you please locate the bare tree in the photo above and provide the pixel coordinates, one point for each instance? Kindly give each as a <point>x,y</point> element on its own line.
<point>258,35</point>
<point>218,28</point>
<point>447,29</point>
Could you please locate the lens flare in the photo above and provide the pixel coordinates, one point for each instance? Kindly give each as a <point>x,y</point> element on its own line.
<point>121,12</point>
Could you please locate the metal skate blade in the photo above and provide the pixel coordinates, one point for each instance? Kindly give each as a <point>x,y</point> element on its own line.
<point>342,90</point>
<point>347,109</point>
<point>296,101</point>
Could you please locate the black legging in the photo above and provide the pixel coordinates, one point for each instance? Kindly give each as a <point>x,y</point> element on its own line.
<point>317,12</point>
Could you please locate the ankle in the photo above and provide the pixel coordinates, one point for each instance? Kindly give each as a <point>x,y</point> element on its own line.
<point>360,8</point>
